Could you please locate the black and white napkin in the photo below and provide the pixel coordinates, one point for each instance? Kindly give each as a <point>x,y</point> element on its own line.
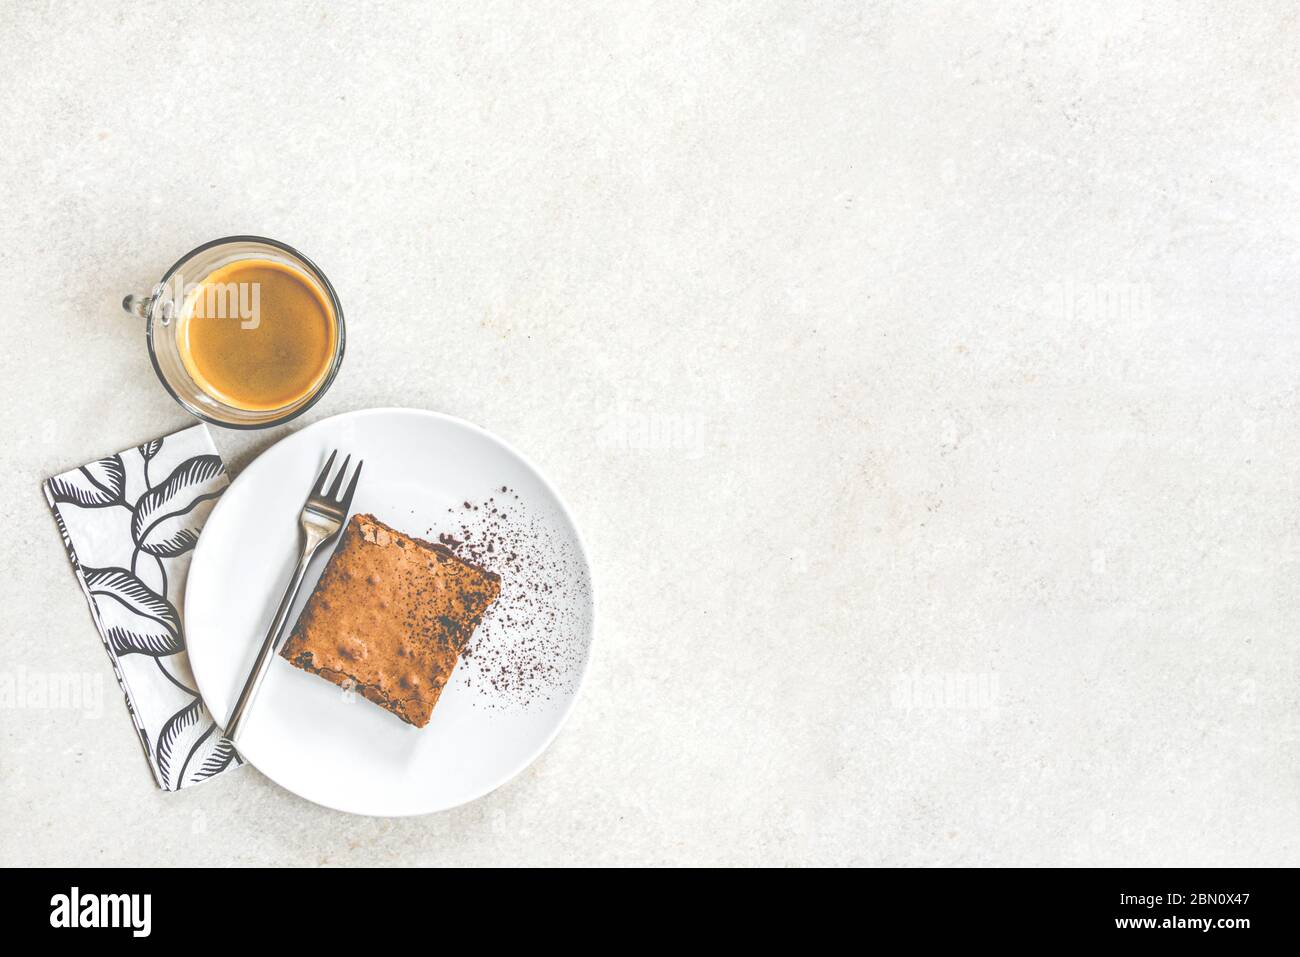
<point>129,523</point>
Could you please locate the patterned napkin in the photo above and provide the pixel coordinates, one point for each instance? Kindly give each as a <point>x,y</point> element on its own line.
<point>129,523</point>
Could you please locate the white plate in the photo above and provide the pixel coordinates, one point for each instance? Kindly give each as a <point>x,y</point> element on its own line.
<point>333,747</point>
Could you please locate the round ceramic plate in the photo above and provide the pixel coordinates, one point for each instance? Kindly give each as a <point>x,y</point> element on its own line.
<point>430,476</point>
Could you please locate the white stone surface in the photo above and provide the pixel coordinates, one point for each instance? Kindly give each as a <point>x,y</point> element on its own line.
<point>873,345</point>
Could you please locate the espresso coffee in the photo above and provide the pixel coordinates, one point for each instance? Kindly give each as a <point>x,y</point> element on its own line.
<point>257,335</point>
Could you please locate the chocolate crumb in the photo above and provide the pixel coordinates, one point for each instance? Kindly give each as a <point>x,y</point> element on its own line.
<point>530,645</point>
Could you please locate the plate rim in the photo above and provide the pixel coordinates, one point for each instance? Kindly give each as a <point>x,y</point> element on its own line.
<point>584,554</point>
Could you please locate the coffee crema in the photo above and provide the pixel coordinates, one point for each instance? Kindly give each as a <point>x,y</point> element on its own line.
<point>257,335</point>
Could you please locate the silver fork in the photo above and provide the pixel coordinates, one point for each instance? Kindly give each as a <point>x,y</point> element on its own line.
<point>322,516</point>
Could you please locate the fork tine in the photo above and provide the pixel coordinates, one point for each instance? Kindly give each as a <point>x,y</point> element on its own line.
<point>352,487</point>
<point>333,494</point>
<point>318,487</point>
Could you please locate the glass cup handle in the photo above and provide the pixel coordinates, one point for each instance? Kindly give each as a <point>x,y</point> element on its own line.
<point>141,306</point>
<point>138,305</point>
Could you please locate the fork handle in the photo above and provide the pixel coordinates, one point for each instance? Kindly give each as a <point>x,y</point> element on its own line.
<point>271,642</point>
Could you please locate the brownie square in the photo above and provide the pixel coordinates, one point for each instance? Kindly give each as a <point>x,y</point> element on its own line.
<point>390,617</point>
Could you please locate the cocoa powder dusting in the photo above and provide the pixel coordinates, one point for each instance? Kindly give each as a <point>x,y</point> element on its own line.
<point>529,646</point>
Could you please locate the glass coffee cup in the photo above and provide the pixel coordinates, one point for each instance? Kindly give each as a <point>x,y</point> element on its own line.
<point>244,332</point>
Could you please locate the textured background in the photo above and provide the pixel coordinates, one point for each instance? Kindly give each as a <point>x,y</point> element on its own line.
<point>923,378</point>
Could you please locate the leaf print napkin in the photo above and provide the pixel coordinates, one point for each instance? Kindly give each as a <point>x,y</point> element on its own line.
<point>129,523</point>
